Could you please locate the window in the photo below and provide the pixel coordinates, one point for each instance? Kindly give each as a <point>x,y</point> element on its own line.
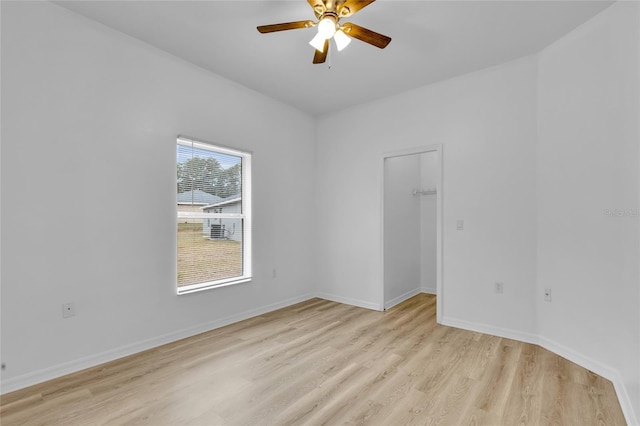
<point>214,216</point>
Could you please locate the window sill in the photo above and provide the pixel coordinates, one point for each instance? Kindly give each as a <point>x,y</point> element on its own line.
<point>188,289</point>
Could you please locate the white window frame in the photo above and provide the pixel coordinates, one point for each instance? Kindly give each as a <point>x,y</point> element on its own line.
<point>245,216</point>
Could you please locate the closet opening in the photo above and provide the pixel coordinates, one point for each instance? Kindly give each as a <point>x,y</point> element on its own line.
<point>411,234</point>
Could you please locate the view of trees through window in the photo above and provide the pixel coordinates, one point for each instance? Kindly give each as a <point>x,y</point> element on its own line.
<point>207,174</point>
<point>212,220</point>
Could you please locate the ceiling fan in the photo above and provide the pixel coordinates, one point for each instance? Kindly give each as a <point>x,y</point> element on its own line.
<point>329,13</point>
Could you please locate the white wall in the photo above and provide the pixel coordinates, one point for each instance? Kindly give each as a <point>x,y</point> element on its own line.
<point>402,253</point>
<point>587,160</point>
<point>89,125</point>
<point>487,124</point>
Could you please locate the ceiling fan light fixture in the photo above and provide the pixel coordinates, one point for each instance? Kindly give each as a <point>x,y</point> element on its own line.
<point>329,13</point>
<point>327,27</point>
<point>318,42</point>
<point>342,40</point>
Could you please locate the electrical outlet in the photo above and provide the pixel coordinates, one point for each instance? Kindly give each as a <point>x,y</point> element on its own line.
<point>68,310</point>
<point>499,287</point>
<point>547,295</point>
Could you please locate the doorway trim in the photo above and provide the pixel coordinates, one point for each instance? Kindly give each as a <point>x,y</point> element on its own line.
<point>439,219</point>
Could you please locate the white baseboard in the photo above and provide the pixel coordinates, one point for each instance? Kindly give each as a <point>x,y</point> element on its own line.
<point>489,329</point>
<point>625,401</point>
<point>374,306</point>
<point>428,290</point>
<point>401,298</point>
<point>350,301</point>
<point>49,373</point>
<point>603,370</point>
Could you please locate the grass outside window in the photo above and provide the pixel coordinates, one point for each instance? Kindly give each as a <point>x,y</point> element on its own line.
<point>201,259</point>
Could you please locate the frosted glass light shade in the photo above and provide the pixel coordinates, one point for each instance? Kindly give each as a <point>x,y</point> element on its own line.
<point>342,40</point>
<point>318,42</point>
<point>327,28</point>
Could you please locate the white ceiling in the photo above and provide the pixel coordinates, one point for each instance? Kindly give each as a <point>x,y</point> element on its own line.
<point>431,41</point>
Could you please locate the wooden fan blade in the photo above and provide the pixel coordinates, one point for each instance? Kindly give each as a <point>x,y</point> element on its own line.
<point>368,36</point>
<point>350,7</point>
<point>285,26</point>
<point>319,57</point>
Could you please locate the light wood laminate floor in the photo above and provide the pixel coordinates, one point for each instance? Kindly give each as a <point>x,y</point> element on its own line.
<point>321,362</point>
